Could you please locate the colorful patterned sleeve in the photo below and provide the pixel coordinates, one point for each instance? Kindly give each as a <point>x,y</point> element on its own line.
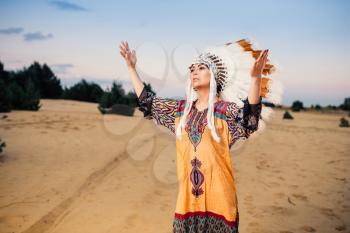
<point>242,121</point>
<point>162,110</point>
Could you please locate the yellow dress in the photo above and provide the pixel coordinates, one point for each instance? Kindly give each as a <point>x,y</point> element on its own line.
<point>207,200</point>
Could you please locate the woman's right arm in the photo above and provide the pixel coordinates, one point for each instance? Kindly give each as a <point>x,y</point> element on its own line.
<point>130,59</point>
<point>163,110</point>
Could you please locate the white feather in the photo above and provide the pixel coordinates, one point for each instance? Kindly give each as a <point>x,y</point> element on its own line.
<point>238,66</point>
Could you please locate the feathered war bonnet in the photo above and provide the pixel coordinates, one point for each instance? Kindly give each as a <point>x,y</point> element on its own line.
<point>230,66</point>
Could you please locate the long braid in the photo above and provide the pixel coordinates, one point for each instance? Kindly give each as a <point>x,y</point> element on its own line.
<point>190,94</point>
<point>210,113</point>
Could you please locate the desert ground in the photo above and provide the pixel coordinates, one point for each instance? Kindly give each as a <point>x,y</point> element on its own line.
<point>68,169</point>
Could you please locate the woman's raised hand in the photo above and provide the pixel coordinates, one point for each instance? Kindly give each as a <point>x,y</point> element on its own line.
<point>259,64</point>
<point>130,57</point>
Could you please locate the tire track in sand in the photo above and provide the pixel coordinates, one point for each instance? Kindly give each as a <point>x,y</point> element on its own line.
<point>57,214</point>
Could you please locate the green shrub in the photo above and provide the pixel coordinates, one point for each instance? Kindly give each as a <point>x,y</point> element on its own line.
<point>115,100</point>
<point>31,98</point>
<point>344,122</point>
<point>27,98</point>
<point>346,104</point>
<point>18,91</point>
<point>5,97</point>
<point>297,106</point>
<point>83,91</point>
<point>106,100</point>
<point>287,116</point>
<point>2,145</point>
<point>102,110</point>
<point>48,85</point>
<point>268,104</point>
<point>122,109</point>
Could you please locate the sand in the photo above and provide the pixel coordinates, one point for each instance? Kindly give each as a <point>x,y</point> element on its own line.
<point>67,168</point>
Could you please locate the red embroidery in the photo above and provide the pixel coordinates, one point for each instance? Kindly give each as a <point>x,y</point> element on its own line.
<point>197,177</point>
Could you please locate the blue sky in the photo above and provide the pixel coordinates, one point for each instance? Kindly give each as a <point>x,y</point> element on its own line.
<point>308,40</point>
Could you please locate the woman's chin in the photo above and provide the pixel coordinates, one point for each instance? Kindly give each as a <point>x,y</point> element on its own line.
<point>196,84</point>
<point>195,87</point>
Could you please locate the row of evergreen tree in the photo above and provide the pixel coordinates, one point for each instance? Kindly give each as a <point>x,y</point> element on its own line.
<point>298,106</point>
<point>23,89</point>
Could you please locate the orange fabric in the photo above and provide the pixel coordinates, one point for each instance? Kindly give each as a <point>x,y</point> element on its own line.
<point>207,191</point>
<point>219,191</point>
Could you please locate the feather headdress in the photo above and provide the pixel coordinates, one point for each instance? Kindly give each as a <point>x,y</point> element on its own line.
<point>230,66</point>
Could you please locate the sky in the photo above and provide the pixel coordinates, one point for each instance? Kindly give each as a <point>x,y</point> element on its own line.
<point>307,40</point>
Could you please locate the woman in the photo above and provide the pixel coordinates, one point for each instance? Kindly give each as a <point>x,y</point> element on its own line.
<point>206,125</point>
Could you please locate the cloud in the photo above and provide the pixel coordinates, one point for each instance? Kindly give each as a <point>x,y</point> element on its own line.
<point>61,68</point>
<point>29,36</point>
<point>32,36</point>
<point>67,6</point>
<point>11,30</point>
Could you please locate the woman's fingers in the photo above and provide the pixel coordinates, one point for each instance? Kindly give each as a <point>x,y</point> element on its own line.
<point>263,61</point>
<point>260,62</point>
<point>266,53</point>
<point>127,45</point>
<point>263,55</point>
<point>260,55</point>
<point>265,58</point>
<point>122,49</point>
<point>123,54</point>
<point>129,56</point>
<point>123,46</point>
<point>262,58</point>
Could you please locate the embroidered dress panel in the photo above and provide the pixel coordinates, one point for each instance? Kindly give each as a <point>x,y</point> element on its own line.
<point>207,197</point>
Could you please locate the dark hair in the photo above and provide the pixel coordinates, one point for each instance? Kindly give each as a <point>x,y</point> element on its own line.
<point>199,64</point>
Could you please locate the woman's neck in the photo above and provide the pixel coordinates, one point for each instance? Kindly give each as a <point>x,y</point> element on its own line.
<point>203,98</point>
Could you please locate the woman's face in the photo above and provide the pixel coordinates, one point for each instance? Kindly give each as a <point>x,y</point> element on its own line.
<point>200,76</point>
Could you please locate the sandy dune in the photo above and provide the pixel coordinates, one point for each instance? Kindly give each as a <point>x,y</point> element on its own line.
<point>67,168</point>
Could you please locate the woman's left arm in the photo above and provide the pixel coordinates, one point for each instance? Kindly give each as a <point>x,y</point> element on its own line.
<point>256,72</point>
<point>244,121</point>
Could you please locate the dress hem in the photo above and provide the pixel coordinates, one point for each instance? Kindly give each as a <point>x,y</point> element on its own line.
<point>207,213</point>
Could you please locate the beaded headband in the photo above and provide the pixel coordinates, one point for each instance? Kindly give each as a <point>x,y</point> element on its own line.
<point>217,66</point>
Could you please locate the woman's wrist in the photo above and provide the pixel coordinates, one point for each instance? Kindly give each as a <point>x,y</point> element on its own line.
<point>131,68</point>
<point>256,77</point>
<point>256,81</point>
